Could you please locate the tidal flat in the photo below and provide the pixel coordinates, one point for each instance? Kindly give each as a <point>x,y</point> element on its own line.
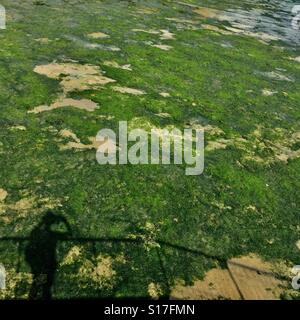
<point>71,228</point>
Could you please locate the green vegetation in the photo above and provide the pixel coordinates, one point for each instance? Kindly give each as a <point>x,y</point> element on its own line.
<point>246,201</point>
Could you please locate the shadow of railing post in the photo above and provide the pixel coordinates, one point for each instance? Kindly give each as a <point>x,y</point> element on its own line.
<point>20,241</point>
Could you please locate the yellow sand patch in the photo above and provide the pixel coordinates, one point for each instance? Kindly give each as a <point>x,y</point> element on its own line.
<point>72,256</point>
<point>208,129</point>
<point>182,20</point>
<point>69,134</point>
<point>15,281</point>
<point>128,90</point>
<point>140,123</point>
<point>104,267</point>
<point>154,290</point>
<point>247,277</point>
<point>268,93</point>
<point>114,64</point>
<point>43,40</point>
<point>163,115</point>
<point>298,244</point>
<point>255,278</point>
<point>21,128</point>
<point>98,35</point>
<point>297,59</point>
<point>209,13</point>
<point>100,271</point>
<point>162,47</point>
<point>73,77</point>
<point>281,148</point>
<point>219,144</point>
<point>108,145</point>
<point>164,94</point>
<point>150,31</point>
<point>217,284</point>
<point>83,104</point>
<point>28,204</point>
<point>264,37</point>
<point>215,29</point>
<point>3,195</point>
<point>166,35</point>
<point>21,206</point>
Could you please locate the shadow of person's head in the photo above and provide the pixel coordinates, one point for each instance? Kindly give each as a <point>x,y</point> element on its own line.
<point>51,219</point>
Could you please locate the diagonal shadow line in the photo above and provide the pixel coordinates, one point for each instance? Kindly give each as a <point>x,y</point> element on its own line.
<point>21,240</point>
<point>141,241</point>
<point>125,240</point>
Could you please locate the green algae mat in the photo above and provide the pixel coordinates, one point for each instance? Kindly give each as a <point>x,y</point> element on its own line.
<point>71,228</point>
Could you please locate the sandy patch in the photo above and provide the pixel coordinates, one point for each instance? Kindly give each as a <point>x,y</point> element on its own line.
<point>215,29</point>
<point>248,278</point>
<point>43,40</point>
<point>3,195</point>
<point>167,35</point>
<point>297,59</point>
<point>65,133</point>
<point>209,13</point>
<point>276,76</point>
<point>83,104</point>
<point>71,257</point>
<point>164,115</point>
<point>154,290</point>
<point>21,206</point>
<point>150,31</point>
<point>255,278</point>
<point>73,77</point>
<point>298,244</point>
<point>258,35</point>
<point>183,21</point>
<point>21,128</point>
<point>268,93</point>
<point>217,284</point>
<point>97,35</point>
<point>208,129</point>
<point>99,271</point>
<point>108,145</point>
<point>115,64</point>
<point>128,90</point>
<point>14,282</point>
<point>281,148</point>
<point>263,37</point>
<point>165,94</point>
<point>25,206</point>
<point>164,34</point>
<point>162,47</point>
<point>104,267</point>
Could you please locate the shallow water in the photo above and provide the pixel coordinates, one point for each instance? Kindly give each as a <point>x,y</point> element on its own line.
<point>272,17</point>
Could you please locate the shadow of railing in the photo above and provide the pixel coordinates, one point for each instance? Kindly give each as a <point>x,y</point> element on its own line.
<point>49,268</point>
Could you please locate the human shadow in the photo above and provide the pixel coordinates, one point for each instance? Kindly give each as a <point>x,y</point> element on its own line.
<point>40,253</point>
